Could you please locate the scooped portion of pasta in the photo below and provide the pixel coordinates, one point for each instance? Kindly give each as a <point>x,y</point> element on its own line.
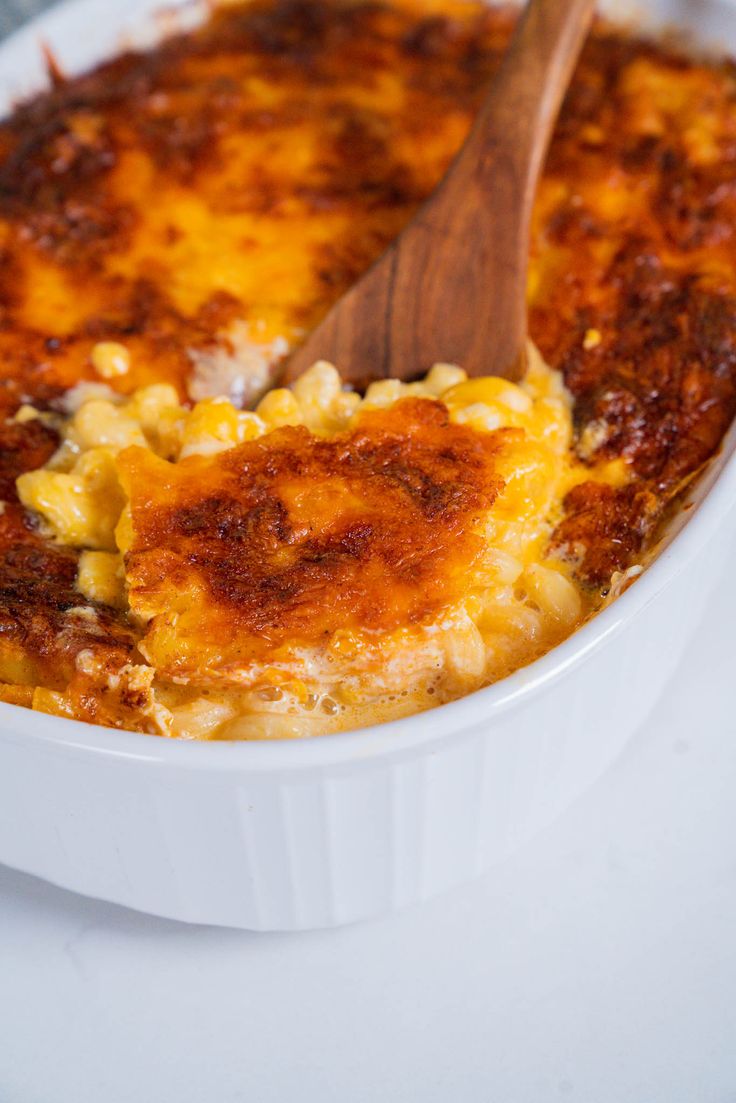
<point>324,562</point>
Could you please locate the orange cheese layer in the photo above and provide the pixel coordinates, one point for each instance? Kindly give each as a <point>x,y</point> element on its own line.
<point>289,541</point>
<point>207,202</point>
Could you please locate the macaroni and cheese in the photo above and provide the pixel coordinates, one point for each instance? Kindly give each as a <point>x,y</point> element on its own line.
<point>324,561</point>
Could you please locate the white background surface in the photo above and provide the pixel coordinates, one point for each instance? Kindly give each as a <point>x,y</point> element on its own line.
<point>599,966</point>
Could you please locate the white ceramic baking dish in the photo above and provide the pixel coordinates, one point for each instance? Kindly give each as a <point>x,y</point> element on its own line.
<point>326,831</point>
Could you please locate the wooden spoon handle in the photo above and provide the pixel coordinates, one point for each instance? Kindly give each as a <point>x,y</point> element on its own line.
<point>525,97</point>
<point>452,287</point>
<point>485,203</point>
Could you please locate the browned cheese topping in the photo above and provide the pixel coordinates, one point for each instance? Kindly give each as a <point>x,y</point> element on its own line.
<point>282,542</point>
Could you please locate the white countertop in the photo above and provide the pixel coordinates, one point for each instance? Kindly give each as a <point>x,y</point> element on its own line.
<point>598,966</point>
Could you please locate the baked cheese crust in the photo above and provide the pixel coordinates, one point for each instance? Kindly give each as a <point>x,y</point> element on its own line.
<point>246,558</point>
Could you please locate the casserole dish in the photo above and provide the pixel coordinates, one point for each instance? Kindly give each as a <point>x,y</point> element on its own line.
<point>323,832</point>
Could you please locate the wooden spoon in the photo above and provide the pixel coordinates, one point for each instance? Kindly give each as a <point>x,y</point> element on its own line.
<point>452,287</point>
